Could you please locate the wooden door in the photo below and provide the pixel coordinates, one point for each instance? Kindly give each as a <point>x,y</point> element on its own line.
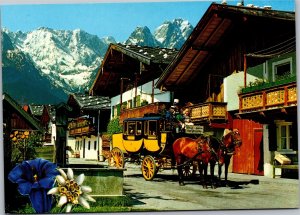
<point>258,151</point>
<point>249,157</point>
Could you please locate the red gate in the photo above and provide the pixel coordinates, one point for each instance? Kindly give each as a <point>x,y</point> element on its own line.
<point>249,158</point>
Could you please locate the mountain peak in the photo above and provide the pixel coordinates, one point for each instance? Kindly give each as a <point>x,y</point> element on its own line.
<point>142,36</point>
<point>173,34</point>
<point>44,29</point>
<point>69,59</point>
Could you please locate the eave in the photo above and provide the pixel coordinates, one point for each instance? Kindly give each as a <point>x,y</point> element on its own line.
<point>128,61</point>
<point>30,120</point>
<point>207,36</point>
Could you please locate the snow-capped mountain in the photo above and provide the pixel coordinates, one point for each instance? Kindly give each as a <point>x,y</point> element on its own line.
<point>173,34</point>
<point>22,80</point>
<point>142,36</point>
<point>67,58</point>
<point>67,61</point>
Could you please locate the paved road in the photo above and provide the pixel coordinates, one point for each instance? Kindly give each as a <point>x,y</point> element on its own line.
<point>244,192</point>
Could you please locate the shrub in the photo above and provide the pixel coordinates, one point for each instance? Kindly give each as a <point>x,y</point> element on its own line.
<point>114,126</point>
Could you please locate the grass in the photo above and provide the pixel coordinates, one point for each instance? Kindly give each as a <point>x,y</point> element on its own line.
<point>102,205</point>
<point>45,152</point>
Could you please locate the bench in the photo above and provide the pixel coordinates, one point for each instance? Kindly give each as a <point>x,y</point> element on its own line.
<point>284,161</point>
<point>284,166</point>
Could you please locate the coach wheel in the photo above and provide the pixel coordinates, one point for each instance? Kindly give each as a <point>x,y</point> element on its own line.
<point>190,169</point>
<point>187,170</point>
<point>148,168</point>
<point>116,158</point>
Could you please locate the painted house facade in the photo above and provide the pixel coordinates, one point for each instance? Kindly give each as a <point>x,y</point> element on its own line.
<point>211,68</point>
<point>272,101</point>
<point>18,125</point>
<point>128,75</point>
<point>86,124</point>
<point>48,121</point>
<point>45,115</point>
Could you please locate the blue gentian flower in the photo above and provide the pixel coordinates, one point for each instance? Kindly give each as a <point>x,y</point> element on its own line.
<point>35,178</point>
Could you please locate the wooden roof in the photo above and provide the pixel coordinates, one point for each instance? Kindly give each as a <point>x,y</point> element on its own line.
<point>206,38</point>
<point>10,103</point>
<point>51,111</point>
<point>36,110</point>
<point>87,102</point>
<point>127,61</point>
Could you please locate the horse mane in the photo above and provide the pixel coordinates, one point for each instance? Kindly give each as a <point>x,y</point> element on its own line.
<point>227,134</point>
<point>215,142</point>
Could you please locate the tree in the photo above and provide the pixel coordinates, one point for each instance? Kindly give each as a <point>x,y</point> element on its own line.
<point>114,126</point>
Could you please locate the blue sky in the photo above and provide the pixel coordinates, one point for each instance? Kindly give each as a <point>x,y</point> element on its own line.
<point>107,18</point>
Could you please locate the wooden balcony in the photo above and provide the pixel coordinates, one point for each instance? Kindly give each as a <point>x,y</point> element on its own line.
<point>209,112</point>
<point>277,97</point>
<point>154,108</point>
<point>80,127</point>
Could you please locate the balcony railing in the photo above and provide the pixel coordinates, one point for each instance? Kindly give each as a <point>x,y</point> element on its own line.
<point>79,127</point>
<point>270,98</point>
<point>208,112</point>
<point>154,108</point>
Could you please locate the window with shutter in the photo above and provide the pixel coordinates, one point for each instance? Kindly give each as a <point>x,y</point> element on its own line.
<point>283,134</point>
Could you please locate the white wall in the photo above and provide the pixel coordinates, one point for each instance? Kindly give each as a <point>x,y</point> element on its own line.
<point>145,91</point>
<point>268,167</point>
<point>53,133</point>
<point>232,85</point>
<point>70,141</point>
<point>89,154</point>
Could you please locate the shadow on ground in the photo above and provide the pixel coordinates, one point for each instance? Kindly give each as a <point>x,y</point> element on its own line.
<point>196,179</point>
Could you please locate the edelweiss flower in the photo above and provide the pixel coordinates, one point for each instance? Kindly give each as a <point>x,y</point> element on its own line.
<point>71,191</point>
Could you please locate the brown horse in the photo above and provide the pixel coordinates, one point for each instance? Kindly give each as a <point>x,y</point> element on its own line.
<point>201,150</point>
<point>230,142</point>
<point>206,150</point>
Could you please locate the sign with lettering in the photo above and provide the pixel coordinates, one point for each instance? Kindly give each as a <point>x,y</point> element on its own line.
<point>194,129</point>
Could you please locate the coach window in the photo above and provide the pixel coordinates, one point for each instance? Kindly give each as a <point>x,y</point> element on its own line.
<point>125,129</point>
<point>146,128</point>
<point>138,128</point>
<point>131,128</point>
<point>153,128</point>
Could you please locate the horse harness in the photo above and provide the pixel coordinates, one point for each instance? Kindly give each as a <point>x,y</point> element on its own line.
<point>226,150</point>
<point>229,150</point>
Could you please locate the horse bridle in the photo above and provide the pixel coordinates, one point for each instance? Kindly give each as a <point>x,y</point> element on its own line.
<point>236,143</point>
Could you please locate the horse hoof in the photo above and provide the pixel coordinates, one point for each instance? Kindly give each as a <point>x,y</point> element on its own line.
<point>204,186</point>
<point>181,184</point>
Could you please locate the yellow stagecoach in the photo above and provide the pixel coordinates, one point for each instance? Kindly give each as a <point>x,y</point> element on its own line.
<point>146,141</point>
